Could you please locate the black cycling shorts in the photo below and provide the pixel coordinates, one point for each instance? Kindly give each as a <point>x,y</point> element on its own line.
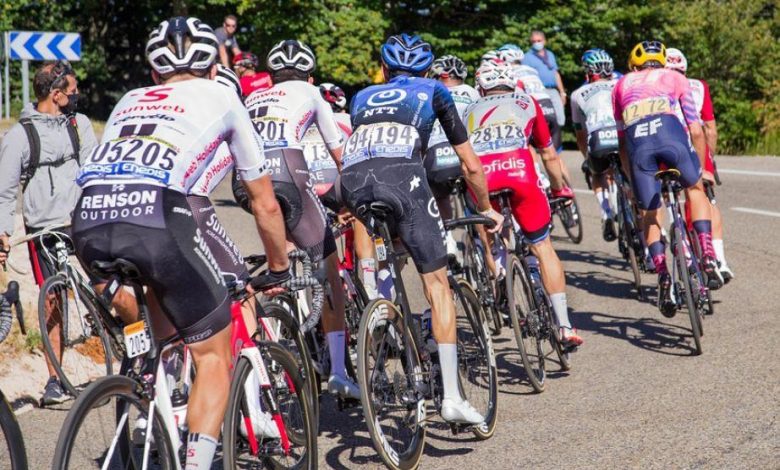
<point>546,105</point>
<point>403,186</point>
<point>225,251</point>
<point>304,214</point>
<point>602,145</point>
<point>442,166</point>
<point>154,228</point>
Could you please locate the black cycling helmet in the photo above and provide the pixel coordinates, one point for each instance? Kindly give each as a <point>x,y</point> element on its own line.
<point>334,95</point>
<point>448,66</point>
<point>182,44</point>
<point>227,77</point>
<point>291,54</point>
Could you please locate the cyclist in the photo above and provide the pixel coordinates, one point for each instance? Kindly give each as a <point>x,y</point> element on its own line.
<point>382,161</point>
<point>442,164</point>
<point>245,65</point>
<point>282,115</point>
<point>136,208</point>
<point>675,60</point>
<point>501,124</point>
<point>650,133</point>
<point>594,125</point>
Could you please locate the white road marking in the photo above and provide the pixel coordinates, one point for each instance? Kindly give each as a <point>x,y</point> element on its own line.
<point>730,171</point>
<point>756,211</point>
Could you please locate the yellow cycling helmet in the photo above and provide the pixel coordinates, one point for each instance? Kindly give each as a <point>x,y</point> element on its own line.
<point>647,51</point>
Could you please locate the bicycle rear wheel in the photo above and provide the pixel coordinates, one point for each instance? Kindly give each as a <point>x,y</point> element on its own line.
<point>685,279</point>
<point>13,451</point>
<point>627,234</point>
<point>476,360</point>
<point>571,219</point>
<point>105,429</point>
<point>526,324</point>
<point>476,275</point>
<point>86,354</point>
<point>290,395</point>
<point>391,379</point>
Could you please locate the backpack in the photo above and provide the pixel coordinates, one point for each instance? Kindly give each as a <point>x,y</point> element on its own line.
<point>34,139</point>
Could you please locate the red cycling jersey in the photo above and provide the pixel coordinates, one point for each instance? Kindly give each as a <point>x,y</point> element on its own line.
<point>258,81</point>
<point>703,101</point>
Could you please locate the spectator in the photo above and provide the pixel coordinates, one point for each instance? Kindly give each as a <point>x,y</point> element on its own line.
<point>226,37</point>
<point>544,62</point>
<point>245,64</point>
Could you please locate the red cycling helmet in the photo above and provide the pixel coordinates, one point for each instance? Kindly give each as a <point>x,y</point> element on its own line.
<point>246,59</point>
<point>334,95</point>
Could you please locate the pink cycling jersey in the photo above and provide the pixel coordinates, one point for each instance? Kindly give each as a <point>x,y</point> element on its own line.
<point>652,92</point>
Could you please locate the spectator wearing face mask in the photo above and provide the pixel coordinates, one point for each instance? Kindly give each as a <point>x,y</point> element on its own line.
<point>544,62</point>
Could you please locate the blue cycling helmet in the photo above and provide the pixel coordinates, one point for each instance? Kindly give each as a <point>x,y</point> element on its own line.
<point>598,62</point>
<point>510,47</point>
<point>407,53</point>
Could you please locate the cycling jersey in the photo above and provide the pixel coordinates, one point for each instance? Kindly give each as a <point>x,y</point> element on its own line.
<point>528,81</point>
<point>322,167</point>
<point>701,96</point>
<point>500,128</point>
<point>591,111</point>
<point>252,83</point>
<point>382,159</point>
<point>169,134</point>
<point>442,164</point>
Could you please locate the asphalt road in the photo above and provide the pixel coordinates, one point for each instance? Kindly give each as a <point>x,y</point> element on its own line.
<point>635,397</point>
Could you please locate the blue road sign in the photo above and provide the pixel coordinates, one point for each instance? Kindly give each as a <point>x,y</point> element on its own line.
<point>40,45</point>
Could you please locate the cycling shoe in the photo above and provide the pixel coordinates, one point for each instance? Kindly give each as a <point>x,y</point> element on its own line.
<point>454,410</point>
<point>343,387</point>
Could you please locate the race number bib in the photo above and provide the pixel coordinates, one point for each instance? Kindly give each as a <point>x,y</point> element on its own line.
<point>135,157</point>
<point>381,140</point>
<point>645,107</point>
<point>498,137</point>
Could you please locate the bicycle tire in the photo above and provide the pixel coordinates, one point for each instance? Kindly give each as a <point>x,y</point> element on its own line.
<point>684,277</point>
<point>400,347</point>
<point>60,286</point>
<point>571,212</point>
<point>480,356</point>
<point>479,279</point>
<point>627,231</point>
<point>96,397</point>
<point>12,434</point>
<point>287,381</point>
<point>526,324</point>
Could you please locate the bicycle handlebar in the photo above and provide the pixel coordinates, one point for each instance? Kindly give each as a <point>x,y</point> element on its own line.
<point>469,220</point>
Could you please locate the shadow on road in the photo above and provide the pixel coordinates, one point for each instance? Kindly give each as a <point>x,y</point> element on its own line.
<point>599,282</point>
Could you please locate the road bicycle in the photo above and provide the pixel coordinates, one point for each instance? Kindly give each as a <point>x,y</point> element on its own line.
<point>398,370</point>
<point>10,302</point>
<point>13,451</point>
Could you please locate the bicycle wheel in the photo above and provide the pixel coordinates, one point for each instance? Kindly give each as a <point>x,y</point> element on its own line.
<point>391,379</point>
<point>627,233</point>
<point>476,274</point>
<point>685,279</point>
<point>571,218</point>
<point>526,324</point>
<point>85,352</point>
<point>476,360</point>
<point>296,448</point>
<point>13,451</point>
<point>293,340</point>
<point>356,300</point>
<point>106,429</point>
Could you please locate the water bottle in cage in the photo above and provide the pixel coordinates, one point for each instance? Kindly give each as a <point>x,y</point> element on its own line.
<point>533,268</point>
<point>426,329</point>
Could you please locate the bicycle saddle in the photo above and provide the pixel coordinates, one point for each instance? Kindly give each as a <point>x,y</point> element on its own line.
<point>501,192</point>
<point>126,270</point>
<point>378,209</point>
<point>670,174</point>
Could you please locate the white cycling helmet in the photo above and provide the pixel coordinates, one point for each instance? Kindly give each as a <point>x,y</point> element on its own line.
<point>495,73</point>
<point>676,60</point>
<point>291,54</point>
<point>227,77</point>
<point>182,44</point>
<point>489,55</point>
<point>511,56</point>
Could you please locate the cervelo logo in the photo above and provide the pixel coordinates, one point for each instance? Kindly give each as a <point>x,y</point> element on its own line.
<point>387,97</point>
<point>504,165</point>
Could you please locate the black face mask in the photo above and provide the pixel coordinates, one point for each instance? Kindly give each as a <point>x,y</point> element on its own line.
<point>72,104</point>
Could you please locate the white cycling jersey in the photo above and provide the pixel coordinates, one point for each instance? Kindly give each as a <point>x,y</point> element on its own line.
<point>463,95</point>
<point>529,81</point>
<point>322,167</point>
<point>591,106</point>
<point>169,134</point>
<point>283,113</point>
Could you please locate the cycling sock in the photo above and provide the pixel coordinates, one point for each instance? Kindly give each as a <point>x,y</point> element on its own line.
<point>448,359</point>
<point>717,245</point>
<point>452,246</point>
<point>704,231</point>
<point>200,451</point>
<point>368,269</point>
<point>603,199</point>
<point>386,287</point>
<point>658,255</point>
<point>561,309</point>
<point>336,344</point>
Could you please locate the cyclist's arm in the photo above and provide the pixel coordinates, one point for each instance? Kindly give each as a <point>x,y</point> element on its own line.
<point>223,57</point>
<point>708,117</point>
<point>617,113</point>
<point>329,129</point>
<point>269,221</point>
<point>542,140</point>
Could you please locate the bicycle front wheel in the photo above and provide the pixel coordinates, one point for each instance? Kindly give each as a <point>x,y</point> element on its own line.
<point>391,379</point>
<point>106,428</point>
<point>13,451</point>
<point>684,277</point>
<point>526,324</point>
<point>74,339</point>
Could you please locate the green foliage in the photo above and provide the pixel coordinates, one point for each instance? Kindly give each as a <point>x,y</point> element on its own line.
<point>733,44</point>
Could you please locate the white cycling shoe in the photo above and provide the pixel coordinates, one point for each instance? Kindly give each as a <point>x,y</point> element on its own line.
<point>263,424</point>
<point>454,410</point>
<point>343,387</point>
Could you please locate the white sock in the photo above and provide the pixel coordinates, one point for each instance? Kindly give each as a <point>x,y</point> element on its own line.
<point>613,189</point>
<point>601,196</point>
<point>336,345</point>
<point>448,359</point>
<point>252,391</point>
<point>560,308</point>
<point>719,252</point>
<point>200,451</point>
<point>368,269</point>
<point>452,246</point>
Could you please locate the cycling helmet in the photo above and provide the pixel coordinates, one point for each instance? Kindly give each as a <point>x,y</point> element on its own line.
<point>598,62</point>
<point>650,53</point>
<point>291,54</point>
<point>488,56</point>
<point>227,77</point>
<point>449,66</point>
<point>182,44</point>
<point>511,56</point>
<point>510,47</point>
<point>495,73</point>
<point>246,59</point>
<point>407,53</point>
<point>334,95</point>
<point>676,60</point>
